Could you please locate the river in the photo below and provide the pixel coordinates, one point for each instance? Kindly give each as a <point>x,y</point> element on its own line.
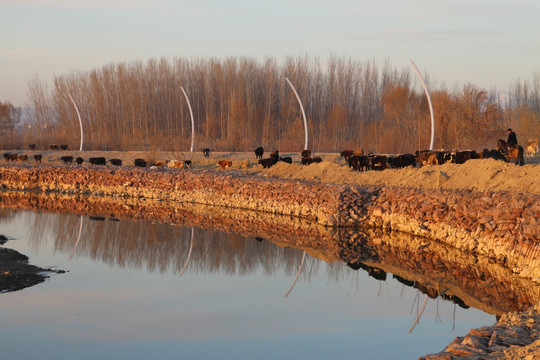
<point>139,290</point>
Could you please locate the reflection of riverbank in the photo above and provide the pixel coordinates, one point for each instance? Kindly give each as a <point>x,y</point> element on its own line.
<point>432,267</point>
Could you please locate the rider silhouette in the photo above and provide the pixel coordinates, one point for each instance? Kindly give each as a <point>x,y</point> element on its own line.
<point>512,139</point>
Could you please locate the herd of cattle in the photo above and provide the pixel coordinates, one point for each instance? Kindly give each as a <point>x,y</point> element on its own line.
<point>359,161</point>
<point>356,160</point>
<point>68,159</point>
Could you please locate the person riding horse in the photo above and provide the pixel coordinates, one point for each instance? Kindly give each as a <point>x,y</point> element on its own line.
<point>512,138</point>
<point>511,152</point>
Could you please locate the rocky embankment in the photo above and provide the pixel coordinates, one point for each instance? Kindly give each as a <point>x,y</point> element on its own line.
<point>499,225</point>
<point>515,336</point>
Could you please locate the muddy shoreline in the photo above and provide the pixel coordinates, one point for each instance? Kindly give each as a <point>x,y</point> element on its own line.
<point>17,274</point>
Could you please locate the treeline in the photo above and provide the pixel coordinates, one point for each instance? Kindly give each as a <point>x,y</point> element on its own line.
<point>10,116</point>
<point>241,103</point>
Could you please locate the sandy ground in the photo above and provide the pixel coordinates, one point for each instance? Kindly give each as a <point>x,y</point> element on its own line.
<point>477,175</point>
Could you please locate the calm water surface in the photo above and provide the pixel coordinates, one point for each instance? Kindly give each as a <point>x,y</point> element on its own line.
<point>139,290</point>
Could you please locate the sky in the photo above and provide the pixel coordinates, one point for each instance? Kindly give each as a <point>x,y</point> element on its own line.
<point>489,43</point>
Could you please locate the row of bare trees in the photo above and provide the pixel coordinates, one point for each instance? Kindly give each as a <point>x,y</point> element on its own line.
<point>10,116</point>
<point>241,103</point>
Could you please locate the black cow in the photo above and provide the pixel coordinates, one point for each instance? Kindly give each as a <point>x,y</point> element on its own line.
<point>401,161</point>
<point>139,162</point>
<point>206,152</point>
<point>187,164</point>
<point>493,154</point>
<point>406,160</point>
<point>259,152</point>
<point>32,146</point>
<point>358,162</point>
<point>275,155</point>
<point>38,158</point>
<point>268,162</point>
<point>460,157</point>
<point>67,159</point>
<point>79,160</point>
<point>443,156</point>
<point>310,160</point>
<point>116,162</point>
<point>98,160</point>
<point>286,159</point>
<point>64,147</point>
<point>306,153</point>
<point>378,162</point>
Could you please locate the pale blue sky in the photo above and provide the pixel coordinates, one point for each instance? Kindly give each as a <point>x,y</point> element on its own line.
<point>488,43</point>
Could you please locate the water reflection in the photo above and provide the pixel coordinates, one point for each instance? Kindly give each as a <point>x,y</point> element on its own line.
<point>189,253</point>
<point>78,238</point>
<point>431,267</point>
<point>300,267</point>
<point>206,294</point>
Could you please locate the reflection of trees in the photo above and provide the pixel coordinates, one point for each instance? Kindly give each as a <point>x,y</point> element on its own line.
<point>6,215</point>
<point>227,241</point>
<point>161,247</point>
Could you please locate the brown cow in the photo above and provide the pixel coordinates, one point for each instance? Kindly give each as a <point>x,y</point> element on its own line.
<point>427,157</point>
<point>346,154</point>
<point>225,164</point>
<point>175,164</point>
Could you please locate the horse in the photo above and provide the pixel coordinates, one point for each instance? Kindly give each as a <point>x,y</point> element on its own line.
<point>511,152</point>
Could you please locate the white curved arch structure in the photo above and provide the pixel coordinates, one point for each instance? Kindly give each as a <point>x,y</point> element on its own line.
<point>80,121</point>
<point>303,112</point>
<point>192,121</point>
<point>430,105</point>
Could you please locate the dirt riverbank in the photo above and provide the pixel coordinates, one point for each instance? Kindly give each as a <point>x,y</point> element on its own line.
<point>475,175</point>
